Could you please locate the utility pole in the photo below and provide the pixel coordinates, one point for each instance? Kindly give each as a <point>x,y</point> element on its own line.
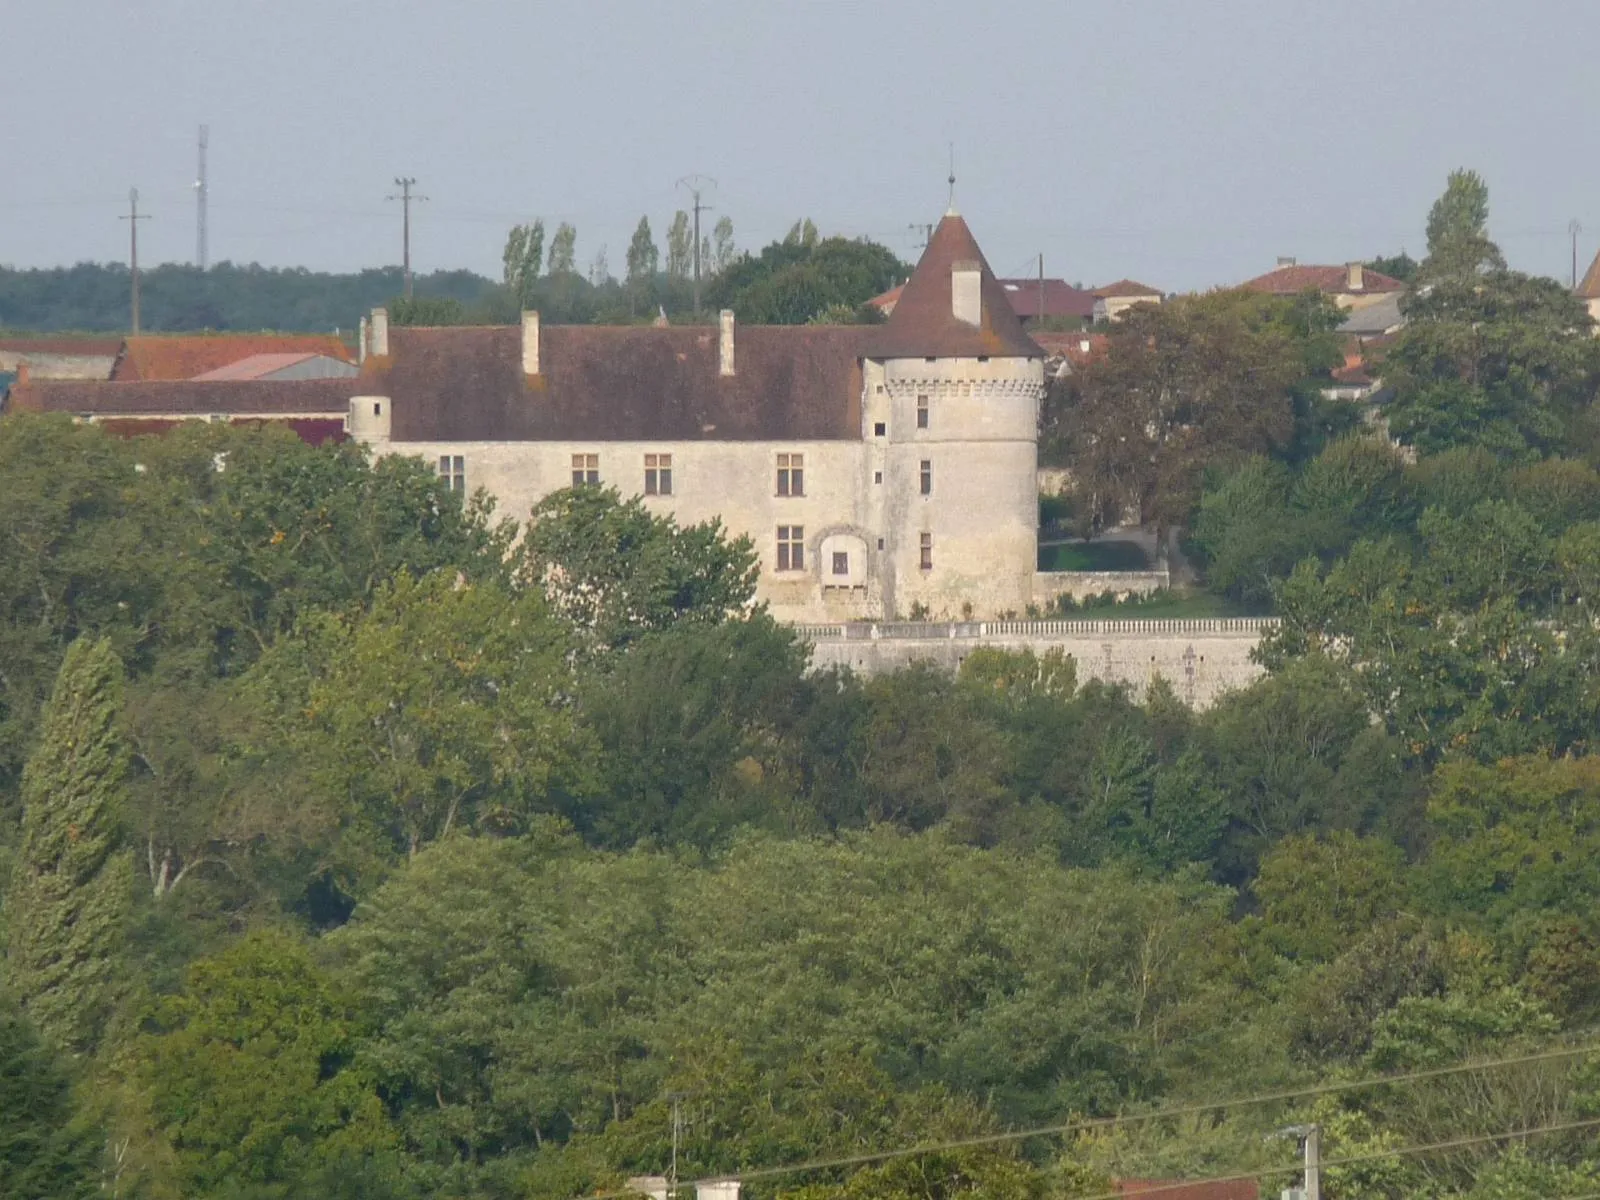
<point>133,218</point>
<point>201,190</point>
<point>405,184</point>
<point>1313,1161</point>
<point>694,184</point>
<point>677,1132</point>
<point>925,231</point>
<point>1040,317</point>
<point>1573,230</point>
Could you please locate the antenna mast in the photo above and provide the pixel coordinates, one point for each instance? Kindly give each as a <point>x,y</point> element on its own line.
<point>952,206</point>
<point>202,256</point>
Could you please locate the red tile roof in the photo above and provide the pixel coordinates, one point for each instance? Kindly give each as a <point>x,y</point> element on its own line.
<point>185,357</point>
<point>1127,287</point>
<point>181,398</point>
<point>1177,1189</point>
<point>621,383</point>
<point>923,324</point>
<point>888,299</point>
<point>1334,281</point>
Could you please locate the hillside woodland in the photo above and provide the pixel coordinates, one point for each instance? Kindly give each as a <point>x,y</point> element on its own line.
<point>357,840</point>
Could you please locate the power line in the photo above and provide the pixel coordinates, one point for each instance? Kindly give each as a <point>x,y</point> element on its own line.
<point>1350,1160</point>
<point>405,184</point>
<point>995,1139</point>
<point>693,183</point>
<point>133,218</point>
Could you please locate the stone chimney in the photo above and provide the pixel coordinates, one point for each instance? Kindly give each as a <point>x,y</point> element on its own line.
<point>725,342</point>
<point>530,343</point>
<point>966,292</point>
<point>1286,261</point>
<point>1354,279</point>
<point>378,333</point>
<point>22,374</point>
<point>361,342</point>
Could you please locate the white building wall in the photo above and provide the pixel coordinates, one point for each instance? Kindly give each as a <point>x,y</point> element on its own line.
<point>862,499</point>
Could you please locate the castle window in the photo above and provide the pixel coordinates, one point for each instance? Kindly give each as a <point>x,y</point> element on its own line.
<point>791,548</point>
<point>877,477</point>
<point>927,477</point>
<point>377,408</point>
<point>841,562</point>
<point>922,412</point>
<point>879,429</point>
<point>585,469</point>
<point>791,475</point>
<point>926,562</point>
<point>453,470</point>
<point>658,474</point>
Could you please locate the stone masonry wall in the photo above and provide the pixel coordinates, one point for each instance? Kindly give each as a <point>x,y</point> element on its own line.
<point>1201,659</point>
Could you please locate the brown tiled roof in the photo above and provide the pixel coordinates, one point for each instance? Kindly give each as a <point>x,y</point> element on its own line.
<point>184,357</point>
<point>86,347</point>
<point>1061,299</point>
<point>610,383</point>
<point>1290,281</point>
<point>1589,285</point>
<point>161,397</point>
<point>923,324</point>
<point>1177,1189</point>
<point>1127,287</point>
<point>1076,348</point>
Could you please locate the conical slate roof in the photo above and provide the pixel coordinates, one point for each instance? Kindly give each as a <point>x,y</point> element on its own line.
<point>923,324</point>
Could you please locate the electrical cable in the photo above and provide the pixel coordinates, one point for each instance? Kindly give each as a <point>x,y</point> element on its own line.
<point>1405,1077</point>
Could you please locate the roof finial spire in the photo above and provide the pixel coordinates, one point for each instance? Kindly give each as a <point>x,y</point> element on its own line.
<point>950,211</point>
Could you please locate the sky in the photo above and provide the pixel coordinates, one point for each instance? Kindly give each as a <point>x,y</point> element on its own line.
<point>1182,143</point>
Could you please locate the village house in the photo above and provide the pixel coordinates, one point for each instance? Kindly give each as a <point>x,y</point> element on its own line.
<point>1111,301</point>
<point>1351,286</point>
<point>880,471</point>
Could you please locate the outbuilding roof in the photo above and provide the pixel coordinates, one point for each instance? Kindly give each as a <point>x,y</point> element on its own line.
<point>924,323</point>
<point>185,356</point>
<point>165,397</point>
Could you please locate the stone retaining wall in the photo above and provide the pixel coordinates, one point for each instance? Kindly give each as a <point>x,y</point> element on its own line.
<point>1201,658</point>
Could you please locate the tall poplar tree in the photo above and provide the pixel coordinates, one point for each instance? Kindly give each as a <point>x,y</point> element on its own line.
<point>71,885</point>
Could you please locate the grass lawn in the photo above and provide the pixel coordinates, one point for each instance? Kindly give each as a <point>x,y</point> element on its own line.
<point>1093,556</point>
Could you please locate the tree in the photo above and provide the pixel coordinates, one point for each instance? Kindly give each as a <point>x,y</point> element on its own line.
<point>447,706</point>
<point>523,259</point>
<point>1501,360</point>
<point>1459,249</point>
<point>722,249</point>
<point>680,246</point>
<point>643,257</point>
<point>71,889</point>
<point>1199,381</point>
<point>251,1077</point>
<point>1320,894</point>
<point>46,1147</point>
<point>802,233</point>
<point>791,282</point>
<point>1396,266</point>
<point>616,571</point>
<point>428,310</point>
<point>563,250</point>
<point>599,269</point>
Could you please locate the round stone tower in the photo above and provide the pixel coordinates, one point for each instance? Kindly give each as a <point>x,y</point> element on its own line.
<point>950,416</point>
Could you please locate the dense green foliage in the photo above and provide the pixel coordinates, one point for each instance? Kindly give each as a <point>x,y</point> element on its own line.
<point>464,855</point>
<point>173,296</point>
